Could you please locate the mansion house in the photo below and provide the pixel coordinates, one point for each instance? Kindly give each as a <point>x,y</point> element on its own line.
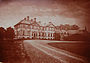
<point>32,29</point>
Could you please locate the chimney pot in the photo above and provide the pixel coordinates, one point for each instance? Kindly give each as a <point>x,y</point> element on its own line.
<point>31,19</point>
<point>34,19</point>
<point>50,22</point>
<point>39,22</point>
<point>27,18</point>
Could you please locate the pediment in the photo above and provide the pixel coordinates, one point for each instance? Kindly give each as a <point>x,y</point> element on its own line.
<point>51,25</point>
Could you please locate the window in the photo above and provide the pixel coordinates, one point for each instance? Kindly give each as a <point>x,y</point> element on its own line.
<point>23,26</point>
<point>43,34</point>
<point>48,28</point>
<point>39,34</point>
<point>23,32</point>
<point>28,32</point>
<point>42,28</point>
<point>26,26</point>
<point>32,27</point>
<point>45,28</point>
<point>48,34</point>
<point>51,34</point>
<point>32,33</point>
<point>51,29</point>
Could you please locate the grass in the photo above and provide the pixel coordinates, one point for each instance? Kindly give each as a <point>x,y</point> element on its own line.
<point>82,49</point>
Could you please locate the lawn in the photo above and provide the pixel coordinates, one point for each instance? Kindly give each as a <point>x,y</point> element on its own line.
<point>82,49</point>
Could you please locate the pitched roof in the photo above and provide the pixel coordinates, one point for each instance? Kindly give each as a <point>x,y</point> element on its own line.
<point>22,22</point>
<point>35,23</point>
<point>28,22</point>
<point>50,24</point>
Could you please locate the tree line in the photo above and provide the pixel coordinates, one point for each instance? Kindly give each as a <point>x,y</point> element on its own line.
<point>69,27</point>
<point>7,33</point>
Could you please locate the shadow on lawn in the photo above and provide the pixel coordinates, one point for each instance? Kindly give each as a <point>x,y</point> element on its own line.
<point>82,49</point>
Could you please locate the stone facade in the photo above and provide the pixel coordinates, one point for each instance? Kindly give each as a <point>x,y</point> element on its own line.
<point>34,30</point>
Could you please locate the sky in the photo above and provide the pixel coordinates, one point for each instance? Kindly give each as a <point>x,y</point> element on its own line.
<point>55,11</point>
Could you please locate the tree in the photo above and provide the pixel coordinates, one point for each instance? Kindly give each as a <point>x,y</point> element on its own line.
<point>57,36</point>
<point>10,33</point>
<point>2,33</point>
<point>62,27</point>
<point>67,27</point>
<point>74,27</point>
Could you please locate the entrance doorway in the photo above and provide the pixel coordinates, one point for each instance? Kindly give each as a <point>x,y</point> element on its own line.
<point>34,35</point>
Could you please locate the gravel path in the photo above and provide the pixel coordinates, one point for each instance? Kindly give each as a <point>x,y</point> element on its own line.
<point>41,53</point>
<point>39,57</point>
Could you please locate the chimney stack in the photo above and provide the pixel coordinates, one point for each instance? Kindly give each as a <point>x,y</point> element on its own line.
<point>27,18</point>
<point>24,18</point>
<point>31,20</point>
<point>50,22</point>
<point>34,19</point>
<point>39,22</point>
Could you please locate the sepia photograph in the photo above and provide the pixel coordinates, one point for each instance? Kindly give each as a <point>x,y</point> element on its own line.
<point>44,31</point>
